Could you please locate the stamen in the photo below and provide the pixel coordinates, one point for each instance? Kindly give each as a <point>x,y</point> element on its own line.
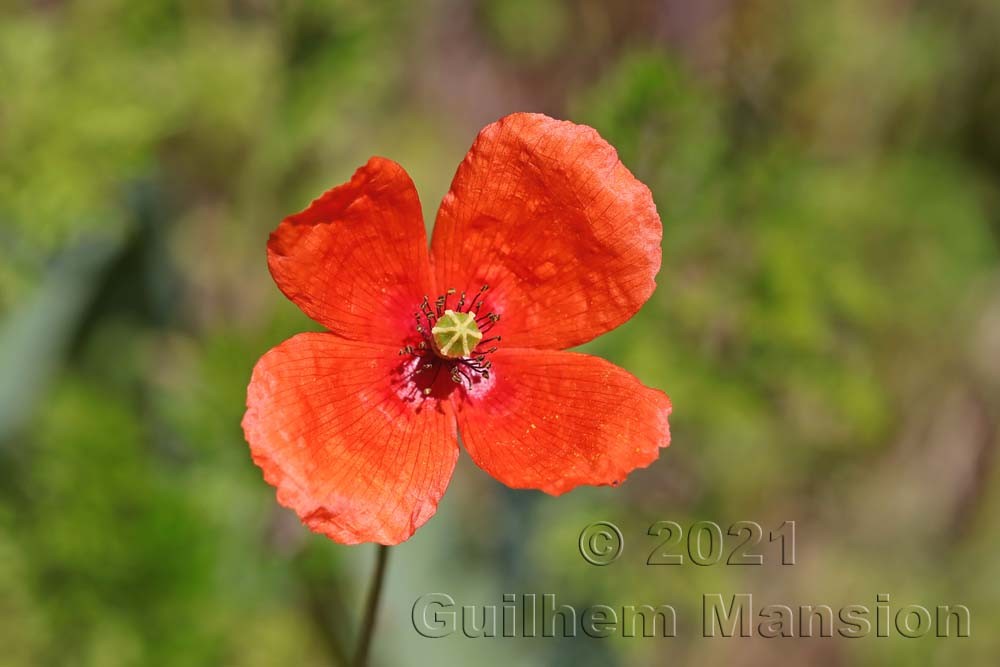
<point>452,339</point>
<point>428,388</point>
<point>425,310</point>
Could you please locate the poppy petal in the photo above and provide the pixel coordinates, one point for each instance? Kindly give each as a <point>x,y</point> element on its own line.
<point>356,458</point>
<point>545,213</point>
<point>356,259</point>
<point>554,420</point>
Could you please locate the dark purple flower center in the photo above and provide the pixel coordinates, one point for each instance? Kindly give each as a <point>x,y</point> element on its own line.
<point>451,339</point>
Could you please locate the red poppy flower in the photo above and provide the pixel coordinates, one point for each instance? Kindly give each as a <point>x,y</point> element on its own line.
<point>545,241</point>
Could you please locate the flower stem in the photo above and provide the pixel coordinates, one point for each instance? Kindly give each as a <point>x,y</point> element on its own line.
<point>371,608</point>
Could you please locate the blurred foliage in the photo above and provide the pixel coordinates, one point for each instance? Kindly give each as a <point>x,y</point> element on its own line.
<point>827,321</point>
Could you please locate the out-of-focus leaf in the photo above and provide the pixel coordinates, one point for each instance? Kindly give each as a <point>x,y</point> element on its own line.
<point>34,337</point>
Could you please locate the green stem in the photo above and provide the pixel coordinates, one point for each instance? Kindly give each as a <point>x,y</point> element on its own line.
<point>371,608</point>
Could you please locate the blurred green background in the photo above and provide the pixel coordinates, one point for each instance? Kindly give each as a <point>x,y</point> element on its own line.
<point>827,320</point>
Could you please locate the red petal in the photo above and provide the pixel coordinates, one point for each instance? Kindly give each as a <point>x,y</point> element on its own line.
<point>356,260</point>
<point>355,458</point>
<point>555,420</point>
<point>546,214</point>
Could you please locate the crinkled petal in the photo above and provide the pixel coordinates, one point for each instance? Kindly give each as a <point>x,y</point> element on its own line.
<point>356,259</point>
<point>333,428</point>
<point>545,213</point>
<point>554,420</point>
